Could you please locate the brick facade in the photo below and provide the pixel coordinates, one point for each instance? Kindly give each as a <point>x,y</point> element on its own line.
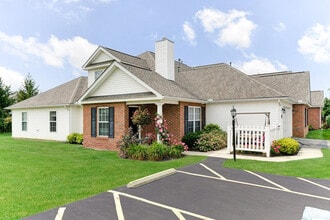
<point>172,113</point>
<point>299,120</point>
<point>314,117</point>
<point>121,125</point>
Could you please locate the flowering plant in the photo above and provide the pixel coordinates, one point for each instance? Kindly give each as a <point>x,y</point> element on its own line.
<point>180,144</point>
<point>141,117</point>
<point>275,149</point>
<point>161,130</point>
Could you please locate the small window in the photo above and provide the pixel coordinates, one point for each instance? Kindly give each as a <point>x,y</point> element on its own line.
<point>194,119</point>
<point>103,121</point>
<point>52,121</point>
<point>24,121</point>
<point>98,73</point>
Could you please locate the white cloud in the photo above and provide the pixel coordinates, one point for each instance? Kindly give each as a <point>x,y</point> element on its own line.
<point>260,65</point>
<point>232,28</point>
<point>280,27</point>
<point>54,52</point>
<point>11,78</point>
<point>316,43</point>
<point>189,33</point>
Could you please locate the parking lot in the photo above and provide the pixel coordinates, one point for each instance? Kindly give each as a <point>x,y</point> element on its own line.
<point>205,191</point>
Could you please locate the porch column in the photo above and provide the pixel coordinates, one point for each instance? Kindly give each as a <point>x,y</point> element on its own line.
<point>160,113</point>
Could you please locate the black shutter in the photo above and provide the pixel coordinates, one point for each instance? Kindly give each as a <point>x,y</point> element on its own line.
<point>203,117</point>
<point>93,122</point>
<point>111,122</point>
<point>185,119</point>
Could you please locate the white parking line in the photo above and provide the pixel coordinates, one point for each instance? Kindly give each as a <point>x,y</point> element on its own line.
<point>267,180</point>
<point>60,213</point>
<point>316,184</point>
<point>119,210</point>
<point>256,185</point>
<point>178,214</point>
<point>161,205</point>
<point>212,171</point>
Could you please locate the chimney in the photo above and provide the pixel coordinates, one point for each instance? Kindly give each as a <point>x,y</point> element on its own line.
<point>164,58</point>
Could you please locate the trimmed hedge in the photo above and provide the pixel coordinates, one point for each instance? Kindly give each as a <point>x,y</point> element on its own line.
<point>75,138</point>
<point>285,146</point>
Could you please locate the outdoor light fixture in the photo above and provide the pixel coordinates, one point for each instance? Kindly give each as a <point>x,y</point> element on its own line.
<point>233,115</point>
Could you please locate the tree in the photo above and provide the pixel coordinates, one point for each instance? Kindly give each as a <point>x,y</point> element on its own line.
<point>326,108</point>
<point>28,89</point>
<point>6,100</point>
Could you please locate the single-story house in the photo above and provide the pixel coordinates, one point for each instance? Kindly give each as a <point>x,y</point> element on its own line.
<point>101,105</point>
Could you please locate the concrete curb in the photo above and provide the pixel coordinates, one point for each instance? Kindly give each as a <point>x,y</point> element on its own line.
<point>151,178</point>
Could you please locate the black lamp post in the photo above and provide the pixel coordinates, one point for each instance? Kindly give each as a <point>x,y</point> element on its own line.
<point>233,115</point>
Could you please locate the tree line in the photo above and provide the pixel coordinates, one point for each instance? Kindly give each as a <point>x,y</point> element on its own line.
<point>9,97</point>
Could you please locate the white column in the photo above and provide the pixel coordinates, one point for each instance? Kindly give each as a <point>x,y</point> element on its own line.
<point>160,113</point>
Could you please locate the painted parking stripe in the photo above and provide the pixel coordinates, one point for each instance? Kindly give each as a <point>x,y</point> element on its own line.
<point>212,171</point>
<point>257,185</point>
<point>60,213</point>
<point>178,214</point>
<point>316,184</point>
<point>268,180</point>
<point>119,209</point>
<point>160,205</point>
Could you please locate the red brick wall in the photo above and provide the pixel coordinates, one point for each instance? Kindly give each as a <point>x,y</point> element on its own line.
<point>314,117</point>
<point>299,128</point>
<point>121,125</point>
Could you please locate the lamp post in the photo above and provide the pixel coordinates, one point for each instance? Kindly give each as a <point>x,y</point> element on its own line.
<point>233,115</point>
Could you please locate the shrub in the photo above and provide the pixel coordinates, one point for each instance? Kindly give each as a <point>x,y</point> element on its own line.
<point>137,152</point>
<point>75,138</point>
<point>158,151</point>
<point>190,139</point>
<point>126,141</point>
<point>211,127</point>
<point>288,146</point>
<point>214,140</point>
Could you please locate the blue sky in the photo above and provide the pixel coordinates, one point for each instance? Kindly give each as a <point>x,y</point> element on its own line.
<point>52,39</point>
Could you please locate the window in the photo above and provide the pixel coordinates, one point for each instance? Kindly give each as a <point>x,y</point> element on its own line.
<point>24,121</point>
<point>98,73</point>
<point>194,119</point>
<point>103,121</point>
<point>52,121</point>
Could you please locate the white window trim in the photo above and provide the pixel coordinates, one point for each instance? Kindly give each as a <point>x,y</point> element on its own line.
<point>24,120</point>
<point>52,121</point>
<point>194,116</point>
<point>98,121</point>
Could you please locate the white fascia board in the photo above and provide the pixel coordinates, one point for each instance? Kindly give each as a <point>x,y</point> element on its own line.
<point>130,101</point>
<point>249,100</point>
<point>108,72</point>
<point>96,53</point>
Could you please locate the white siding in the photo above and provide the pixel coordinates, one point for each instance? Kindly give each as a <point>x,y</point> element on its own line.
<point>102,57</point>
<point>68,120</point>
<point>219,113</point>
<point>117,83</point>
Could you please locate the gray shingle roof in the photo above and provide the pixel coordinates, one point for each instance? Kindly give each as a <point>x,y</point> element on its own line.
<point>317,98</point>
<point>65,94</point>
<point>293,84</point>
<point>222,82</point>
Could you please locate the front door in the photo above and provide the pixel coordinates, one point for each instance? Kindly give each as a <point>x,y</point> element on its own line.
<point>134,127</point>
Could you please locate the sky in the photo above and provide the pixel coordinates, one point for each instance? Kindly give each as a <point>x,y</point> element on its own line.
<point>52,39</point>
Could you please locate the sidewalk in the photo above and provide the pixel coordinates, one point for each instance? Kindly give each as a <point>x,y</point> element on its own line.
<point>304,153</point>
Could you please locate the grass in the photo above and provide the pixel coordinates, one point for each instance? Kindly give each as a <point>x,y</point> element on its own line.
<point>40,175</point>
<point>323,134</point>
<point>309,168</point>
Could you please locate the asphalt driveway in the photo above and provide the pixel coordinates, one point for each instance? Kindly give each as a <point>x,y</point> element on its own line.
<point>205,191</point>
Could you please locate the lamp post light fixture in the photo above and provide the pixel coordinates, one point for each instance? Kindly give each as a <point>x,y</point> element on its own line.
<point>233,115</point>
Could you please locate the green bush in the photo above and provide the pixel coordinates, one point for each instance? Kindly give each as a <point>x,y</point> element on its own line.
<point>158,151</point>
<point>214,140</point>
<point>126,141</point>
<point>211,127</point>
<point>137,152</point>
<point>288,146</point>
<point>190,139</point>
<point>175,151</point>
<point>75,138</point>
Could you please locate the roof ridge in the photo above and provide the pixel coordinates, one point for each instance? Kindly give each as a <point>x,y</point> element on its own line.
<point>122,52</point>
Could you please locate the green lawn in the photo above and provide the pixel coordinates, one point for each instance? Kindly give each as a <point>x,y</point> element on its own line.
<point>40,175</point>
<point>312,168</point>
<point>319,134</point>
